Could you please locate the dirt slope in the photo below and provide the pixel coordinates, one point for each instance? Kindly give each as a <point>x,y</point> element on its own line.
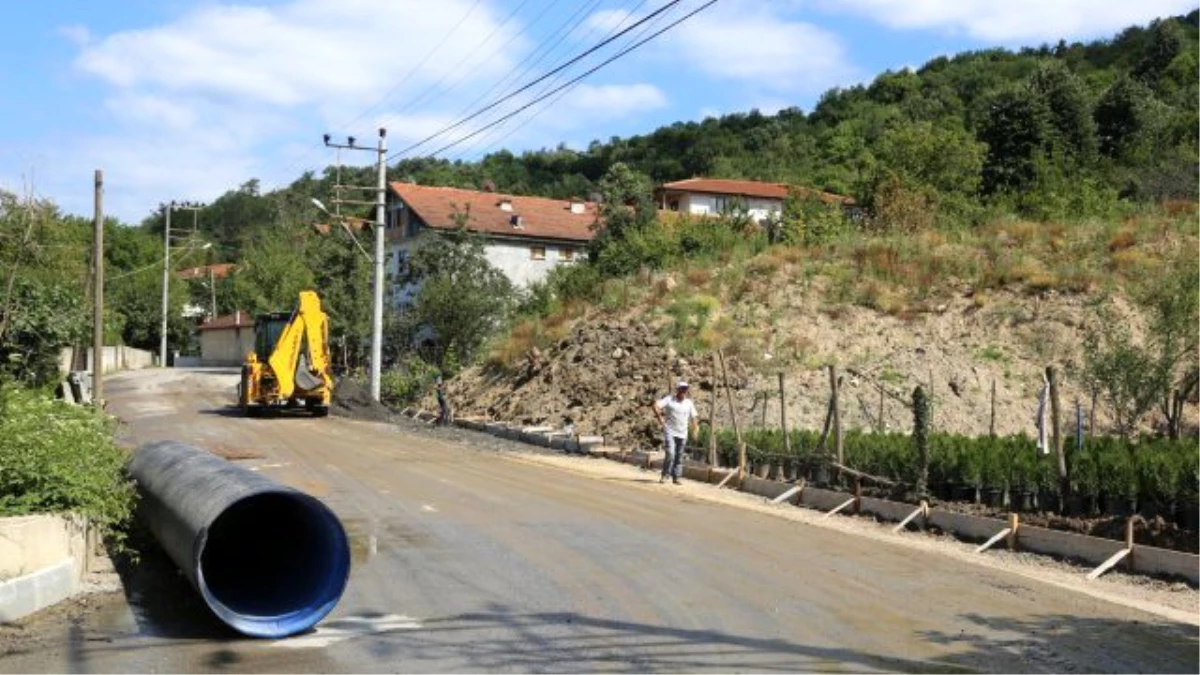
<point>609,368</point>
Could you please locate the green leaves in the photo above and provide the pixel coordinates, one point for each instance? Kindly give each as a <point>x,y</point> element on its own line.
<point>55,457</point>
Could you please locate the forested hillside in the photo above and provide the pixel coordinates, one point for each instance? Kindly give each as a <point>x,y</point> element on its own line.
<point>1056,133</point>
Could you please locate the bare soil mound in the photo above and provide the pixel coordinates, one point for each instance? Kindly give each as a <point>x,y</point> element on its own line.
<point>351,399</point>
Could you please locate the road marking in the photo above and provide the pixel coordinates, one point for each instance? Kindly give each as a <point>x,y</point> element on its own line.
<point>428,508</point>
<point>332,632</point>
<point>269,466</point>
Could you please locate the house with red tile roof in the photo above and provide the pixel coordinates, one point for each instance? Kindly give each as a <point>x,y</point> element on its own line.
<point>525,237</point>
<point>712,196</point>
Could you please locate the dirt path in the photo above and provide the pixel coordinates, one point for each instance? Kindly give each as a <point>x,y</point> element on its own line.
<point>470,559</point>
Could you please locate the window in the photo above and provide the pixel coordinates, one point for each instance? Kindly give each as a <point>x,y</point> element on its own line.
<point>567,254</point>
<point>720,204</point>
<point>537,252</point>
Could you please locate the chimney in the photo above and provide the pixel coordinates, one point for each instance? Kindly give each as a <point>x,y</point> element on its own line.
<point>506,204</point>
<point>577,206</point>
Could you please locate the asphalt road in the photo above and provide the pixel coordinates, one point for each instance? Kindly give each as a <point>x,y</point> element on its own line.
<point>466,560</point>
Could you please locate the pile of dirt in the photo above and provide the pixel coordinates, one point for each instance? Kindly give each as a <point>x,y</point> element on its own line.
<point>602,378</point>
<point>613,364</point>
<point>351,399</point>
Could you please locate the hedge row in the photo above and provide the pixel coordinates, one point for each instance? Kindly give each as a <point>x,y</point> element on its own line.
<point>1160,471</point>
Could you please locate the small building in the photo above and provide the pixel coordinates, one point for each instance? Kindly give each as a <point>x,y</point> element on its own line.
<point>524,237</point>
<point>224,341</point>
<point>714,196</point>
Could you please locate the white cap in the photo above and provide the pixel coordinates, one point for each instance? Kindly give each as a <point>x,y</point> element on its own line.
<point>682,384</point>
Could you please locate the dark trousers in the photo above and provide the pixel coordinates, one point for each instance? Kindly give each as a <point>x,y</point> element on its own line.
<point>673,462</point>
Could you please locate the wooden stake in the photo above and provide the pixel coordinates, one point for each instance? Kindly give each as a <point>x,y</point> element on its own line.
<point>787,441</point>
<point>1014,524</point>
<point>837,417</point>
<point>712,417</point>
<point>992,424</point>
<point>1056,432</point>
<point>879,420</point>
<point>737,433</point>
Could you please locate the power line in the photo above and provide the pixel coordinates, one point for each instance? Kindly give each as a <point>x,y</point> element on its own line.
<point>400,83</point>
<point>501,137</point>
<point>412,103</point>
<point>578,78</point>
<point>529,62</point>
<point>411,71</point>
<point>544,77</point>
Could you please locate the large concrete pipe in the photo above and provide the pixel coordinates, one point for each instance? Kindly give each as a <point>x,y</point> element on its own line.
<point>268,560</point>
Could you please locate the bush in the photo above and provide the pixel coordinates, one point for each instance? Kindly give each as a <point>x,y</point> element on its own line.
<point>405,382</point>
<point>58,458</point>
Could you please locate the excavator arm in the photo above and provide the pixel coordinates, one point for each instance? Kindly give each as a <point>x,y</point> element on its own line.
<point>300,359</point>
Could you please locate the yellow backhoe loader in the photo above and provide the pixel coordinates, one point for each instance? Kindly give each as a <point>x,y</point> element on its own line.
<point>296,368</point>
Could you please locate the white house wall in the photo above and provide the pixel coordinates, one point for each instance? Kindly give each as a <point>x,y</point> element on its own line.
<point>513,258</point>
<point>705,204</point>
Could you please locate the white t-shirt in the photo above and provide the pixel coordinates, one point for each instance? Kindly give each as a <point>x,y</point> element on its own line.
<point>678,414</point>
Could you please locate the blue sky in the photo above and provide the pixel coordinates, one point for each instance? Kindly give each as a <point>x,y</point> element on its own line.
<point>180,99</point>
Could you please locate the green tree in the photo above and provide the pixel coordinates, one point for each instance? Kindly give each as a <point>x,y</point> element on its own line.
<point>1070,107</point>
<point>1128,119</point>
<point>1017,130</point>
<point>270,275</point>
<point>460,302</point>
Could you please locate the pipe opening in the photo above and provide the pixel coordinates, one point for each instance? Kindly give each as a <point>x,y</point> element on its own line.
<point>274,564</point>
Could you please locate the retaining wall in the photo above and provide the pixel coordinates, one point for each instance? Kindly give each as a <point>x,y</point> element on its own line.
<point>43,560</point>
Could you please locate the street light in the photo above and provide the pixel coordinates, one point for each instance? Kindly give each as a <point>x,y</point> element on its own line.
<point>341,220</point>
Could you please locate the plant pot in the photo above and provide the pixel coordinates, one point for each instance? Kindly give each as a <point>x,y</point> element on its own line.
<point>821,476</point>
<point>963,493</point>
<point>1023,500</point>
<point>1189,517</point>
<point>1075,505</point>
<point>776,472</point>
<point>995,498</point>
<point>762,469</point>
<point>1048,501</point>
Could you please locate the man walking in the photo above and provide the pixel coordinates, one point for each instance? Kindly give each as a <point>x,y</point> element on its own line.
<point>677,414</point>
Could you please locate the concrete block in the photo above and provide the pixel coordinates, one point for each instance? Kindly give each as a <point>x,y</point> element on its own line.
<point>606,451</point>
<point>540,440</point>
<point>888,510</point>
<point>966,526</point>
<point>494,428</point>
<point>1163,562</point>
<point>571,446</point>
<point>763,487</point>
<point>696,472</point>
<point>586,443</point>
<point>1093,550</point>
<point>715,476</point>
<point>823,500</point>
<point>558,442</point>
<point>27,594</point>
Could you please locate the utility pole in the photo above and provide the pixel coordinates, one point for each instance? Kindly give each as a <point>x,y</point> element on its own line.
<point>162,340</point>
<point>380,204</point>
<point>212,287</point>
<point>166,295</point>
<point>98,295</point>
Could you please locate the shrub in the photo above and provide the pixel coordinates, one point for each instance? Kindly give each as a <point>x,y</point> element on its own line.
<point>406,382</point>
<point>58,458</point>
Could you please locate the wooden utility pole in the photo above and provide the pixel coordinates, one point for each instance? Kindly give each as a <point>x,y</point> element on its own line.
<point>712,416</point>
<point>837,415</point>
<point>787,441</point>
<point>733,414</point>
<point>212,287</point>
<point>98,295</point>
<point>880,419</point>
<point>1056,431</point>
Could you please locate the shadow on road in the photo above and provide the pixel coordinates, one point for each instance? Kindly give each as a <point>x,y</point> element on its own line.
<point>162,601</point>
<point>499,640</point>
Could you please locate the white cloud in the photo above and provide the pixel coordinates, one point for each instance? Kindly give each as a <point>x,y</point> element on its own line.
<point>615,100</point>
<point>1014,20</point>
<point>759,45</point>
<point>300,53</point>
